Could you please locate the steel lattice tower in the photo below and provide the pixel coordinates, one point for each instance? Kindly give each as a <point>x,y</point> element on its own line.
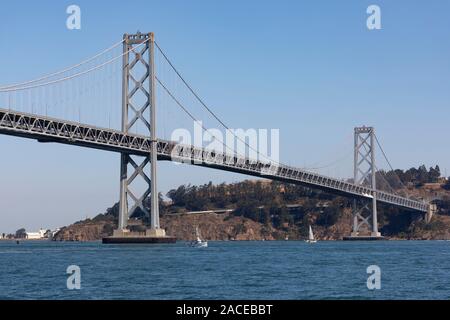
<point>365,174</point>
<point>138,50</point>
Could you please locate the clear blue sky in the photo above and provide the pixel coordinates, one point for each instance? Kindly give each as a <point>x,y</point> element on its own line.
<point>310,68</point>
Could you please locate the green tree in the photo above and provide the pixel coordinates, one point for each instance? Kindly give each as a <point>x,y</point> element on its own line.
<point>329,216</point>
<point>265,216</point>
<point>178,196</point>
<point>248,209</point>
<point>434,174</point>
<point>422,175</point>
<point>280,216</point>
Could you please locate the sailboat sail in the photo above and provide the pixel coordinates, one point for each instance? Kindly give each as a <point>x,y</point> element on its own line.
<point>198,234</point>
<point>311,235</point>
<point>199,243</point>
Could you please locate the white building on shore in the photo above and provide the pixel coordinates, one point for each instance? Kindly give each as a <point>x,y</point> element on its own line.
<point>41,234</point>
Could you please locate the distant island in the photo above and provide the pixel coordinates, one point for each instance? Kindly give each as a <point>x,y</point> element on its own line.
<point>270,210</point>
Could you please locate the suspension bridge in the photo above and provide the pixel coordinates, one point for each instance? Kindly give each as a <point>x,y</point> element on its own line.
<point>108,102</point>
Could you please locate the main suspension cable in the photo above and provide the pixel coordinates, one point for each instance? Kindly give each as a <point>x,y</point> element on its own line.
<point>189,113</point>
<point>64,70</point>
<point>389,163</point>
<point>74,75</point>
<point>206,107</point>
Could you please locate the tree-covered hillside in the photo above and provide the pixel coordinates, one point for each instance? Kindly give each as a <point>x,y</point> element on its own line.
<point>292,208</point>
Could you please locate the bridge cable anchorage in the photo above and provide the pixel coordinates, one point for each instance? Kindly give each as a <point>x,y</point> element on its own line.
<point>64,70</point>
<point>209,109</point>
<point>74,75</point>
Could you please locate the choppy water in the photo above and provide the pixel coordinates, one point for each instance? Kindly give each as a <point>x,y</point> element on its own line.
<point>226,270</point>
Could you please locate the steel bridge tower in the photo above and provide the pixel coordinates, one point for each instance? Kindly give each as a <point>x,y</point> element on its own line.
<point>364,211</point>
<point>139,112</point>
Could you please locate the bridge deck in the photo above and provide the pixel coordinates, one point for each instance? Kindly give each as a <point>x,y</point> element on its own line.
<point>46,129</point>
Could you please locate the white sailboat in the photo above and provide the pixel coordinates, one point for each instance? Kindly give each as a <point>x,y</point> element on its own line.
<point>311,238</point>
<point>198,243</point>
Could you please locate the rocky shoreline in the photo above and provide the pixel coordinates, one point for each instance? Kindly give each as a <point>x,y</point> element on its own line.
<point>223,227</point>
<point>268,210</point>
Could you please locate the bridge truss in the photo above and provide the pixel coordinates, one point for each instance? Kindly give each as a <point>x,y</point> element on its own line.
<point>46,129</point>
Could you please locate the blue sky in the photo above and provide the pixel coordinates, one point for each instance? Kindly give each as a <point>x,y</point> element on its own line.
<point>310,68</point>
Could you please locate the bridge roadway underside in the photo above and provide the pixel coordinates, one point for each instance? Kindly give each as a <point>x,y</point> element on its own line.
<point>49,130</point>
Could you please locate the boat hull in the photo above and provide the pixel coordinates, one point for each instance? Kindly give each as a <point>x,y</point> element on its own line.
<point>199,245</point>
